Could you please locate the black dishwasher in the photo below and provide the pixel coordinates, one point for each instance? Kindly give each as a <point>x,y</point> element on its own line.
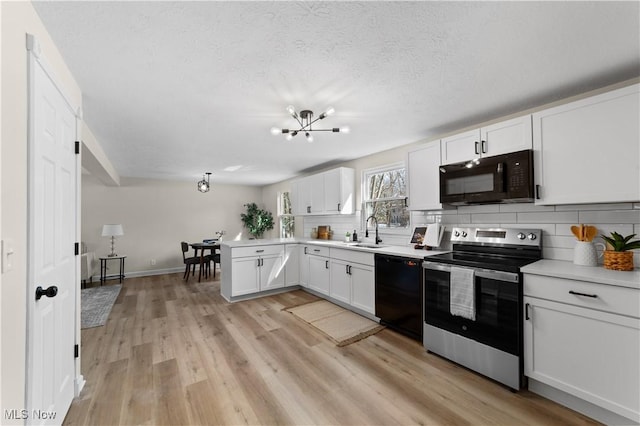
<point>399,294</point>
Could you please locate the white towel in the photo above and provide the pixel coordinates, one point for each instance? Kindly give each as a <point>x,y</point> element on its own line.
<point>462,293</point>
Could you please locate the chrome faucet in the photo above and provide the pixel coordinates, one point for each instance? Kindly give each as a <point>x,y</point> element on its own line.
<point>366,228</point>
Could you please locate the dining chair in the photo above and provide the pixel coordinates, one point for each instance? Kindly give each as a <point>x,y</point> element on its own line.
<point>188,261</point>
<point>215,258</point>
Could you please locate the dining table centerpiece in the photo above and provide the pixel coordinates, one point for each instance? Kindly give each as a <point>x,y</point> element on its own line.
<point>256,220</point>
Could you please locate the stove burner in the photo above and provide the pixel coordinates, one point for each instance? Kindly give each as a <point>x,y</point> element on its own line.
<point>495,248</point>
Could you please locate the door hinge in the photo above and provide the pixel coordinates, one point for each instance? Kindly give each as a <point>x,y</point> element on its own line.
<point>77,147</point>
<point>76,248</point>
<point>76,351</point>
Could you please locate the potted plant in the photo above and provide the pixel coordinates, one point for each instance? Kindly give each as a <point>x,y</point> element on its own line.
<point>618,255</point>
<point>256,220</point>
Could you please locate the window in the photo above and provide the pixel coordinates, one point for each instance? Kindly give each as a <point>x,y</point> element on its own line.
<point>285,215</point>
<point>385,197</point>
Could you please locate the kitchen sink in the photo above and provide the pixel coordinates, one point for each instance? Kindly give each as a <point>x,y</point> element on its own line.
<point>365,245</point>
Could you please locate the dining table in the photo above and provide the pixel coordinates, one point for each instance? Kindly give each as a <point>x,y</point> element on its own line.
<point>205,245</point>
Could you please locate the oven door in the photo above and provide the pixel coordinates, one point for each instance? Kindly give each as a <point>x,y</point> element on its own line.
<point>498,297</point>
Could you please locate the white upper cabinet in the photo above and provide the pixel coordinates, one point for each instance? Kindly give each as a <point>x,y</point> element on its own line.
<point>507,136</point>
<point>499,138</point>
<point>339,191</point>
<point>330,192</point>
<point>461,147</point>
<point>588,151</point>
<point>424,177</point>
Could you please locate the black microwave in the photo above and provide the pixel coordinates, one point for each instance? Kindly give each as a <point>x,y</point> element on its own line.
<point>505,178</point>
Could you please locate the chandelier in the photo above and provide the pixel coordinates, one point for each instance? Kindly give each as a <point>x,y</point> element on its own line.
<point>305,120</point>
<point>203,185</point>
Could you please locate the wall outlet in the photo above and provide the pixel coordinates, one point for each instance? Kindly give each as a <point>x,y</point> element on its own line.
<point>153,262</point>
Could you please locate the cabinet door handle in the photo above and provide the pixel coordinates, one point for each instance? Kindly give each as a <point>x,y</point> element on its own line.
<point>326,264</point>
<point>476,148</point>
<point>258,263</point>
<point>346,269</point>
<point>484,147</point>
<point>349,269</point>
<point>305,250</point>
<point>338,206</point>
<point>316,250</point>
<point>526,312</point>
<point>259,251</point>
<point>575,293</point>
<point>308,209</point>
<point>537,192</point>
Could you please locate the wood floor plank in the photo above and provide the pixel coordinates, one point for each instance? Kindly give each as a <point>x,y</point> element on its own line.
<point>138,388</point>
<point>175,352</point>
<point>170,404</point>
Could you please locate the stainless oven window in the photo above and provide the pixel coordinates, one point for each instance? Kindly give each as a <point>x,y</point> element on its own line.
<point>497,311</point>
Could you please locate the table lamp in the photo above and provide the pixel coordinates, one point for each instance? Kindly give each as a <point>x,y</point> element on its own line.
<point>111,230</point>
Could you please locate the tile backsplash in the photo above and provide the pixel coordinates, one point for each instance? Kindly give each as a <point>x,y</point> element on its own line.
<point>555,222</point>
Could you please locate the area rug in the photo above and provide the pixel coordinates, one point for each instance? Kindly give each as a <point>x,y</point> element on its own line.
<point>96,304</point>
<point>343,327</point>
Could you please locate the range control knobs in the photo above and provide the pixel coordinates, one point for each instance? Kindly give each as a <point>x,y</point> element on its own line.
<point>456,233</point>
<point>521,236</point>
<point>532,236</point>
<point>464,234</point>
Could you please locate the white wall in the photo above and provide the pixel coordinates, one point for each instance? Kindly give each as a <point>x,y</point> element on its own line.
<point>156,215</point>
<point>18,19</point>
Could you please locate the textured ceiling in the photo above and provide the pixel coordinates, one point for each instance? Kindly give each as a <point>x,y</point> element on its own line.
<point>174,89</point>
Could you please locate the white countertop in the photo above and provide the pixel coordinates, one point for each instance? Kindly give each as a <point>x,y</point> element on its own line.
<point>404,251</point>
<point>595,274</point>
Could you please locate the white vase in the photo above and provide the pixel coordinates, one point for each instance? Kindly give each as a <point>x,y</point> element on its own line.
<point>585,253</point>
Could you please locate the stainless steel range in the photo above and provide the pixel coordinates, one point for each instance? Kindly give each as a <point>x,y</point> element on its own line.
<point>473,300</point>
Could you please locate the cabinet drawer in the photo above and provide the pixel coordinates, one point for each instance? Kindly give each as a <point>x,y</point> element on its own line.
<point>257,250</point>
<point>619,300</point>
<point>353,256</point>
<point>317,250</point>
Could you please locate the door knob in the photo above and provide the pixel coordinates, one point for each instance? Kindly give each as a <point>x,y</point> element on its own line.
<point>49,292</point>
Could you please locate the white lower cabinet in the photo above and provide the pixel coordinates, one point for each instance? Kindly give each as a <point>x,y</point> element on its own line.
<point>252,269</point>
<point>319,274</point>
<point>303,252</point>
<point>340,281</point>
<point>291,264</point>
<point>246,279</point>
<point>363,292</point>
<point>584,339</point>
<point>353,278</point>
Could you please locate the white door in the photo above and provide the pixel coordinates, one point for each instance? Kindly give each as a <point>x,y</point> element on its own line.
<point>245,275</point>
<point>461,147</point>
<point>52,261</point>
<point>507,136</point>
<point>340,282</point>
<point>363,288</point>
<point>271,272</point>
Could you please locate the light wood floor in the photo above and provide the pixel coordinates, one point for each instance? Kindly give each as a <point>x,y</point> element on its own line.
<point>177,353</point>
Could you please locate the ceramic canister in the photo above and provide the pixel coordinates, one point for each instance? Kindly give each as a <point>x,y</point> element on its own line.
<point>585,253</point>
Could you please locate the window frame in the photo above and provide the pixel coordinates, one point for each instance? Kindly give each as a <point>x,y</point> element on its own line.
<point>282,215</point>
<point>364,190</point>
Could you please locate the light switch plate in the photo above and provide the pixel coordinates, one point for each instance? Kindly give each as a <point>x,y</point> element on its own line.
<point>6,246</point>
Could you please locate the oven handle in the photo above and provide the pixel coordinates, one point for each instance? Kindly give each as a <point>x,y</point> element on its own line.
<point>482,273</point>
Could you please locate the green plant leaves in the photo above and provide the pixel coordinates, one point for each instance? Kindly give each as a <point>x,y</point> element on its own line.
<point>256,220</point>
<point>620,243</point>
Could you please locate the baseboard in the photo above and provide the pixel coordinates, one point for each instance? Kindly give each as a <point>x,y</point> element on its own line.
<point>134,274</point>
<point>588,409</point>
<point>78,384</point>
